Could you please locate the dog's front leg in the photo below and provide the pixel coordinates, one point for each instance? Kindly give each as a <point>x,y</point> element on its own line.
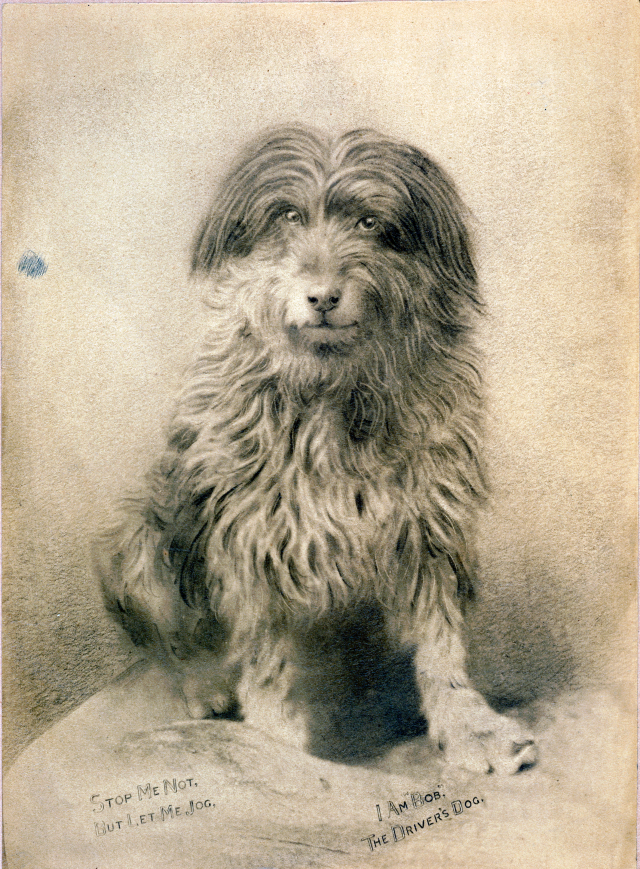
<point>208,684</point>
<point>141,592</point>
<point>461,723</point>
<point>193,647</point>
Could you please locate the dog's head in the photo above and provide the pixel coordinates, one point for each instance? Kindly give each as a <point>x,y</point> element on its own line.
<point>324,247</point>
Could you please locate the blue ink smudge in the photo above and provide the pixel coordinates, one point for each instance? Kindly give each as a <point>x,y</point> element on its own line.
<point>32,265</point>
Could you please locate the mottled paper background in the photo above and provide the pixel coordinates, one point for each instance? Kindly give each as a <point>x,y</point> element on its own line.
<point>119,120</point>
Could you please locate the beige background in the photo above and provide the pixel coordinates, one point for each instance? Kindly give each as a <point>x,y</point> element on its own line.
<point>118,122</point>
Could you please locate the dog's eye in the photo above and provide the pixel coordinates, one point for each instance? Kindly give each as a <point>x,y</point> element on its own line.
<point>368,223</point>
<point>292,216</point>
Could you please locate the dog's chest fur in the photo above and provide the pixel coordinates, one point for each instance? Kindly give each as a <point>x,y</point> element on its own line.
<point>298,508</point>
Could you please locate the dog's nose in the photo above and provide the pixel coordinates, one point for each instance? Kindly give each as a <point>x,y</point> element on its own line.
<point>324,300</point>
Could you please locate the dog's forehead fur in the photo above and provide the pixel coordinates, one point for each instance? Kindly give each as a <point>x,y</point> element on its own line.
<point>362,173</point>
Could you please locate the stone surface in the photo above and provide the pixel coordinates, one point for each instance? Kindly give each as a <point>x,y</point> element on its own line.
<point>274,806</point>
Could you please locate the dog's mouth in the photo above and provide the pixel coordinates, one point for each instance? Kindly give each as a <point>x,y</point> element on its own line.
<point>329,334</point>
<point>324,337</point>
<point>327,328</point>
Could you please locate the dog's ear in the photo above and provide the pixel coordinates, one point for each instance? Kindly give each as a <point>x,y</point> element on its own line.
<point>443,240</point>
<point>441,221</point>
<point>222,233</point>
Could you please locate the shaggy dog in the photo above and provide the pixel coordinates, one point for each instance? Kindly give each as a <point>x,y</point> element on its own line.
<point>323,458</point>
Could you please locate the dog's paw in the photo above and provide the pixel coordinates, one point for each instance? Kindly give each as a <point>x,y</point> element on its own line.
<point>207,698</point>
<point>476,738</point>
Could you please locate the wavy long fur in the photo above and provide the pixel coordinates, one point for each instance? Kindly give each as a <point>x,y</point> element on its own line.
<point>301,479</point>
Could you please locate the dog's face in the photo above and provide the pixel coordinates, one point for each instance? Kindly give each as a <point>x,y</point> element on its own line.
<point>306,280</point>
<point>323,248</point>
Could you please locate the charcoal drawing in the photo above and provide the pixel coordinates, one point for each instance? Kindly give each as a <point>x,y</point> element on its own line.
<point>320,434</point>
